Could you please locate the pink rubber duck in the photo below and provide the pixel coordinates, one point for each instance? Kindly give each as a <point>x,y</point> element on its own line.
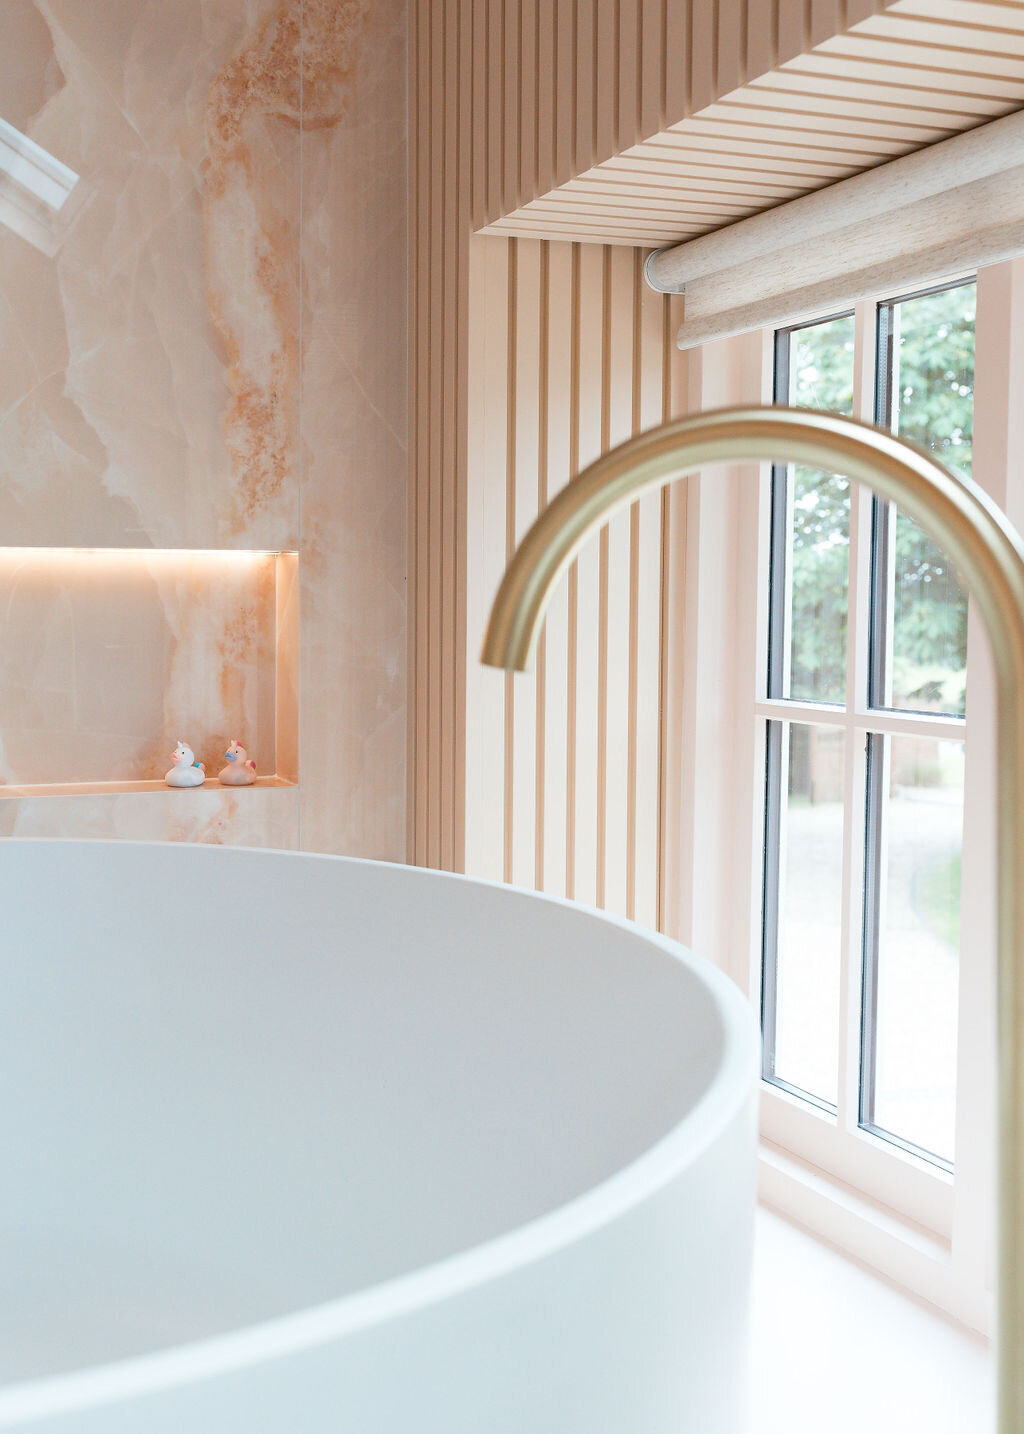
<point>240,770</point>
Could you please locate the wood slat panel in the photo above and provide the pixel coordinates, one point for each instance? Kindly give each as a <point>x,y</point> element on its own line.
<point>505,497</point>
<point>630,43</point>
<point>606,80</point>
<point>590,363</point>
<point>486,548</point>
<point>419,378</point>
<point>730,167</point>
<point>702,186</point>
<point>617,702</point>
<point>855,11</point>
<point>676,59</point>
<point>903,88</point>
<point>479,112</point>
<point>969,39</point>
<point>596,206</point>
<point>553,227</point>
<point>525,391</point>
<point>495,80</point>
<point>826,20</point>
<point>791,31</point>
<point>583,87</point>
<point>527,178</point>
<point>547,53</point>
<point>624,187</point>
<point>965,12</point>
<point>460,303</point>
<point>958,60</point>
<point>730,46</point>
<point>702,55</point>
<point>450,281</point>
<point>651,85</point>
<point>638,199</point>
<point>653,355</point>
<point>572,579</point>
<point>514,76</point>
<point>818,108</point>
<point>761,40</point>
<point>438,375</point>
<point>733,126</point>
<point>567,234</point>
<point>904,64</point>
<point>556,628</point>
<point>540,707</point>
<point>565,100</point>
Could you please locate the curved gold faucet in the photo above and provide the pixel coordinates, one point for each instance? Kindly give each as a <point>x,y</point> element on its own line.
<point>989,554</point>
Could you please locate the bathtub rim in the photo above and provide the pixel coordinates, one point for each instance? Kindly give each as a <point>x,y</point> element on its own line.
<point>730,1087</point>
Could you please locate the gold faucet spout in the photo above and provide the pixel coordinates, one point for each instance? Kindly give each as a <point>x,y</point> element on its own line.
<point>989,554</point>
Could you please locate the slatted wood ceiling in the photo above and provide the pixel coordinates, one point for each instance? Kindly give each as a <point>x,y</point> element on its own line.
<point>764,130</point>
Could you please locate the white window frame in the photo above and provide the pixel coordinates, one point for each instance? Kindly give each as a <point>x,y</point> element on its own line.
<point>929,1231</point>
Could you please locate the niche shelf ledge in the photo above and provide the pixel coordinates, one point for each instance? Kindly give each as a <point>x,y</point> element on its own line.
<point>111,789</point>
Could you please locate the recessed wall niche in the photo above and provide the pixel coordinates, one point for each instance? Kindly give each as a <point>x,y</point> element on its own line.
<point>108,657</point>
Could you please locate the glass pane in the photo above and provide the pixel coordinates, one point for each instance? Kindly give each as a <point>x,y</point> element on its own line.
<point>931,349</point>
<point>933,373</point>
<point>819,553</point>
<point>929,639</point>
<point>918,942</point>
<point>809,904</point>
<point>817,519</point>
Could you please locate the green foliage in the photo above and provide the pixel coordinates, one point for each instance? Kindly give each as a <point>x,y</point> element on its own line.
<point>933,404</point>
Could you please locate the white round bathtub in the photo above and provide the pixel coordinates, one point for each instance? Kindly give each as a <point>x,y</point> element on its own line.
<point>301,1145</point>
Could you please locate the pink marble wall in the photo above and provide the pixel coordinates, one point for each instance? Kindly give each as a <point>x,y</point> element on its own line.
<point>213,358</point>
<point>354,451</point>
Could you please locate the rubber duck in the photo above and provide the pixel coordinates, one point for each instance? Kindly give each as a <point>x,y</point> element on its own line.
<point>186,772</point>
<point>240,770</point>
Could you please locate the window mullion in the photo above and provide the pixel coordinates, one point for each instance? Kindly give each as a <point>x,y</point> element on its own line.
<point>848,1055</point>
<point>876,784</point>
<point>772,893</point>
<point>850,965</point>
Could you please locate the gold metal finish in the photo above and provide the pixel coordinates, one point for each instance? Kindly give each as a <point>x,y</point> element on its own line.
<point>989,554</point>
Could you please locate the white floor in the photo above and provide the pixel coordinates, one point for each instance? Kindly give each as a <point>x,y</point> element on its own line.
<point>839,1351</point>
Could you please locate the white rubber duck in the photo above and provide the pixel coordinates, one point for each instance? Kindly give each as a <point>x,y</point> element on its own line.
<point>186,772</point>
<point>240,770</point>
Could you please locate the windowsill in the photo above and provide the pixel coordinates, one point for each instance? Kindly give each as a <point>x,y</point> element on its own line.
<point>836,1347</point>
<point>910,1256</point>
<point>778,1165</point>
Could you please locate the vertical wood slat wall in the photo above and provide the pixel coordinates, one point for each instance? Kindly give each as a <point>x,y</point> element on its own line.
<point>570,353</point>
<point>507,98</point>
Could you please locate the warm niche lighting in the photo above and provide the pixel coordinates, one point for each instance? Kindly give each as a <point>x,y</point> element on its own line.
<point>100,647</point>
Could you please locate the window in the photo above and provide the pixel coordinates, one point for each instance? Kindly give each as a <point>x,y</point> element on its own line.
<point>865,729</point>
